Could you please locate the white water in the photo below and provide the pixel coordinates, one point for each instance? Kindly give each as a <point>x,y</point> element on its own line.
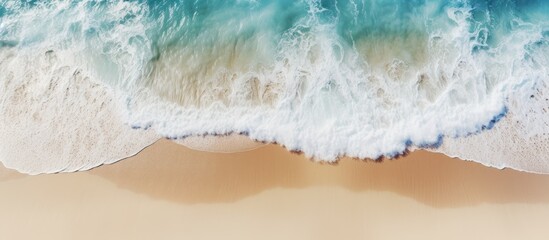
<point>67,107</point>
<point>58,119</point>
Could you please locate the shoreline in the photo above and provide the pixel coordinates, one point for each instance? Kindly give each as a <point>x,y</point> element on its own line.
<point>239,143</point>
<point>192,192</point>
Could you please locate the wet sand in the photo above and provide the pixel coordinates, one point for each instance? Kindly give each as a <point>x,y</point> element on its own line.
<point>171,192</point>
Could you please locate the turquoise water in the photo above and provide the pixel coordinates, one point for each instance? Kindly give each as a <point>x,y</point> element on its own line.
<point>359,78</point>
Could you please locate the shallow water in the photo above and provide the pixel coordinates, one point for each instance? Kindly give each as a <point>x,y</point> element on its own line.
<point>363,79</point>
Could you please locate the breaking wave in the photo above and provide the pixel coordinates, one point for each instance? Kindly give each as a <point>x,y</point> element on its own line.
<point>89,82</point>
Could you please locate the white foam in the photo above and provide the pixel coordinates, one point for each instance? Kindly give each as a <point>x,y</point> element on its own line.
<point>329,103</point>
<point>65,103</point>
<point>521,139</point>
<point>55,118</point>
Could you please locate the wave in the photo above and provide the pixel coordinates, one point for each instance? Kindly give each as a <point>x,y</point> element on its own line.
<point>90,82</point>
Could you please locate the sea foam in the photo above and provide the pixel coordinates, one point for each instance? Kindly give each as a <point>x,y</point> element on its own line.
<point>91,82</point>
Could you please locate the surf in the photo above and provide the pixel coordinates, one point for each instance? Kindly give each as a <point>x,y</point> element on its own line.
<point>364,79</point>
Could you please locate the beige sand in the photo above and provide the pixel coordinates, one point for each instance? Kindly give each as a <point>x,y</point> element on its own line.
<point>171,192</point>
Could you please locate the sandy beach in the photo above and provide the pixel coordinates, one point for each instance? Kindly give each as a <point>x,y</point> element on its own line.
<point>171,192</point>
<point>219,102</point>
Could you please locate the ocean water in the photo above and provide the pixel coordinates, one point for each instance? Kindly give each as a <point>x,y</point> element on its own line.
<point>89,82</point>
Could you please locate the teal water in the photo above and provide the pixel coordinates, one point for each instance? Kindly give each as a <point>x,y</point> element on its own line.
<point>359,78</point>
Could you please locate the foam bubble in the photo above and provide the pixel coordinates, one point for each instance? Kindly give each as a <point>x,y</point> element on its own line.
<point>327,78</point>
<point>55,118</point>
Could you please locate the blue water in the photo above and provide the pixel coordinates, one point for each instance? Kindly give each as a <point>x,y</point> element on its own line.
<point>331,78</point>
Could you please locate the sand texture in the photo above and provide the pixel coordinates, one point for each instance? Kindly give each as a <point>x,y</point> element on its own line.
<point>171,192</point>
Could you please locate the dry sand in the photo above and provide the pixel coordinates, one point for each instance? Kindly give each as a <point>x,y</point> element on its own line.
<point>171,192</point>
